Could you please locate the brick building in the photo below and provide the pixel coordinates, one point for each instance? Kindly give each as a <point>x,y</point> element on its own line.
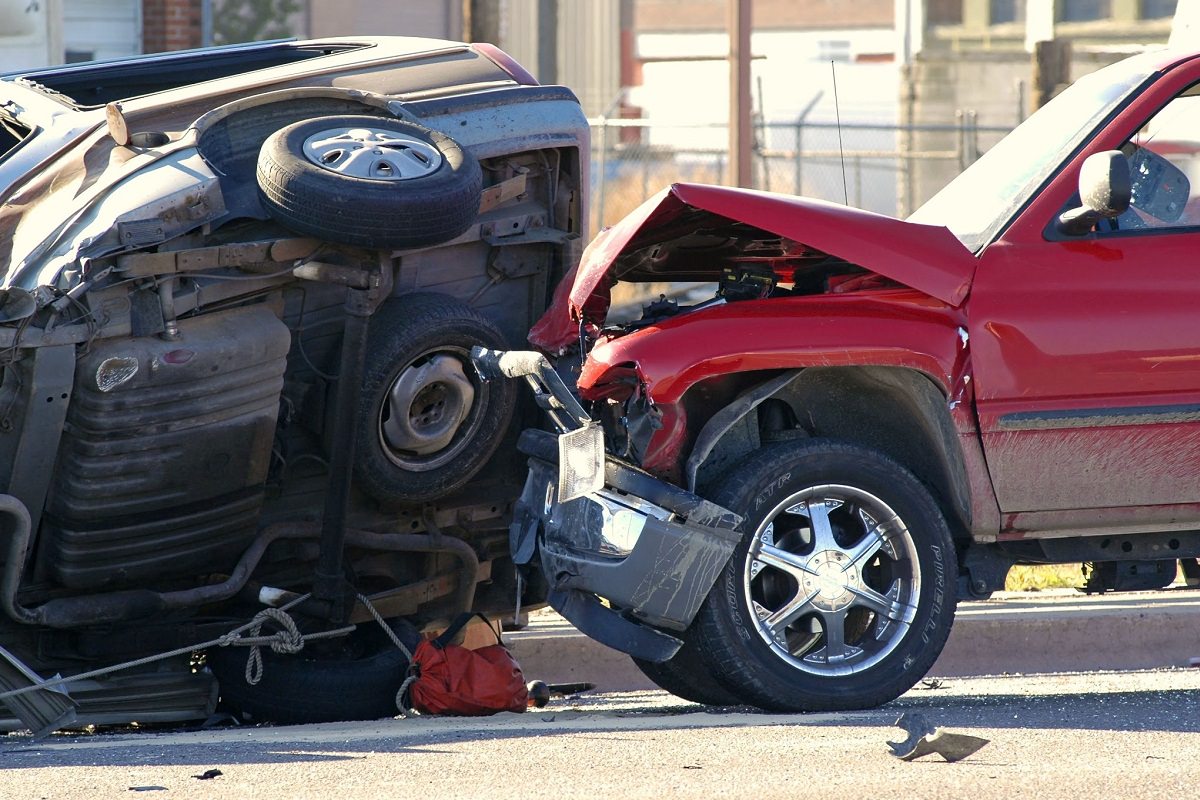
<point>171,25</point>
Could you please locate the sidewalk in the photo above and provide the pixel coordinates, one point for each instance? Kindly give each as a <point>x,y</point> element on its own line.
<point>1058,630</point>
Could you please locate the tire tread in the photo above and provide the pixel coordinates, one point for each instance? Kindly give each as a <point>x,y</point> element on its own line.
<point>402,328</point>
<point>722,642</point>
<point>363,212</point>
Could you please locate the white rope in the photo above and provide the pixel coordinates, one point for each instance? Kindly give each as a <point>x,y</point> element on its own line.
<point>234,638</point>
<point>404,708</point>
<point>285,640</point>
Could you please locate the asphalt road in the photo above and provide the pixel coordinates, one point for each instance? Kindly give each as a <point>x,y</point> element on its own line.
<point>1087,735</point>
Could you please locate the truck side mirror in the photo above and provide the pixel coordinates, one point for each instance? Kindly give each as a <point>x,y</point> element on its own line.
<point>1104,188</point>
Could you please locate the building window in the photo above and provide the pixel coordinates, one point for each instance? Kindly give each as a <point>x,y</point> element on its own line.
<point>1157,9</point>
<point>1084,10</point>
<point>1007,11</point>
<point>944,12</point>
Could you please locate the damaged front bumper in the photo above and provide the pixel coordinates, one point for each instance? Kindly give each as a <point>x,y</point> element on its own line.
<point>599,527</point>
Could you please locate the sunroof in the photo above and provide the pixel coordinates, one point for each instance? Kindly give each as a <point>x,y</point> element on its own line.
<point>101,82</point>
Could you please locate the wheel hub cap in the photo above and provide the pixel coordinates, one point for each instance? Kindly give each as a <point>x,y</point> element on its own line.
<point>373,153</point>
<point>830,581</point>
<point>427,404</point>
<point>833,579</point>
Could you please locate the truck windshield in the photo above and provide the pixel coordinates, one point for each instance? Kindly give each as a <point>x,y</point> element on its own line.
<point>980,201</point>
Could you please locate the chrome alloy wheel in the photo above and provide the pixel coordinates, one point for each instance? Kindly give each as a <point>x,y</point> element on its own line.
<point>427,408</point>
<point>373,153</point>
<point>833,578</point>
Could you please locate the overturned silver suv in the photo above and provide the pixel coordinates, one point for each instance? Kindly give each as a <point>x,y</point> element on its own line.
<point>239,291</point>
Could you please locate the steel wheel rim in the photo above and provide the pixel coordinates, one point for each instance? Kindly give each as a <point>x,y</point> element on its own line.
<point>372,153</point>
<point>832,559</point>
<point>430,409</point>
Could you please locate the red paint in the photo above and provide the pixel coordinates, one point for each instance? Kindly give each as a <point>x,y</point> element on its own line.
<point>667,447</point>
<point>556,331</point>
<point>505,62</point>
<point>924,257</point>
<point>1090,323</point>
<point>898,327</point>
<point>178,356</point>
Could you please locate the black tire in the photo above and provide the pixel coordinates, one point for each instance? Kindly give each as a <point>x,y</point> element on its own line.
<point>686,676</point>
<point>376,209</point>
<point>353,679</point>
<point>420,436</point>
<point>825,578</point>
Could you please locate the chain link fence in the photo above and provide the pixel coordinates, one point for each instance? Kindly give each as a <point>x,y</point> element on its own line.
<point>888,169</point>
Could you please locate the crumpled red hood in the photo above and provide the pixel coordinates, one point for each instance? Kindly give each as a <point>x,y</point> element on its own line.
<point>928,258</point>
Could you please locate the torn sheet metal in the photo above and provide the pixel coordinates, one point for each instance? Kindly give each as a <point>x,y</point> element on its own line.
<point>928,258</point>
<point>43,711</point>
<point>924,738</point>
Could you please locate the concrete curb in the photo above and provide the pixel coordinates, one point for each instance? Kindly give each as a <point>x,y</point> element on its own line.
<point>1015,632</point>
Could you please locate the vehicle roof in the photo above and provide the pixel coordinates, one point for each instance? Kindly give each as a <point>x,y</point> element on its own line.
<point>1162,59</point>
<point>162,79</point>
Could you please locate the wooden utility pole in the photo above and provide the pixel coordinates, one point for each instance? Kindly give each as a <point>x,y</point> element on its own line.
<point>740,137</point>
<point>1051,70</point>
<point>481,21</point>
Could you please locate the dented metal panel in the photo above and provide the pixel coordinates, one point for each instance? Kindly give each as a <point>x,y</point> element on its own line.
<point>898,328</point>
<point>925,257</point>
<point>661,576</point>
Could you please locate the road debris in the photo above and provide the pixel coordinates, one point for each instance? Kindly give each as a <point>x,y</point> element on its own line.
<point>924,738</point>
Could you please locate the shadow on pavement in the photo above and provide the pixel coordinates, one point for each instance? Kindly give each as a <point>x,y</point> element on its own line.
<point>1134,711</point>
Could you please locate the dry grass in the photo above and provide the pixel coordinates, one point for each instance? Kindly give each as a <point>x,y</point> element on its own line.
<point>624,293</point>
<point>624,193</point>
<point>1053,576</point>
<point>1044,576</point>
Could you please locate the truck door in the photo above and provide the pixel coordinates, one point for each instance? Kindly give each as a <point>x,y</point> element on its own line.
<point>1086,348</point>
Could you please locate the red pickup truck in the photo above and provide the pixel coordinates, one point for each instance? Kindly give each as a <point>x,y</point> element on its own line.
<point>776,496</point>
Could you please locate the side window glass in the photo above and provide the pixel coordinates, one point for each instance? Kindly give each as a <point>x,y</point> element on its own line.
<point>1164,169</point>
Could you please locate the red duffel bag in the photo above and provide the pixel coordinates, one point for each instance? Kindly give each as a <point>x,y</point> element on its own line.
<point>450,679</point>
